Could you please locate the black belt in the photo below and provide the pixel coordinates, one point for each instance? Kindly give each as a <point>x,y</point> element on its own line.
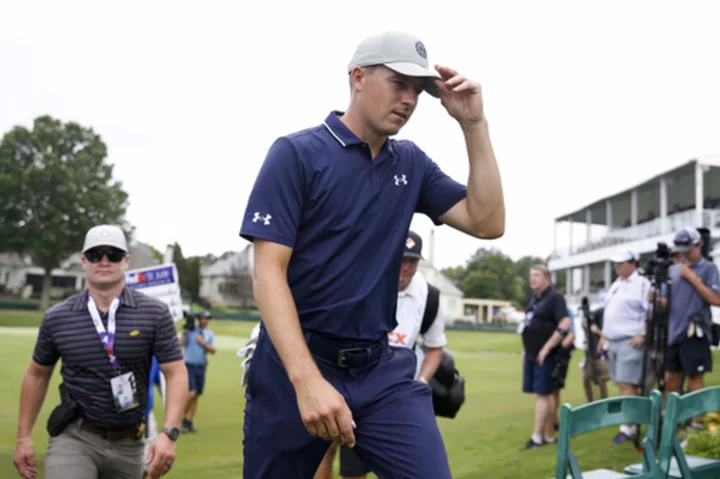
<point>112,434</point>
<point>346,354</point>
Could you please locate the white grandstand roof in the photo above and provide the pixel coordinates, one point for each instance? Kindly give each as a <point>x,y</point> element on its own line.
<point>711,161</point>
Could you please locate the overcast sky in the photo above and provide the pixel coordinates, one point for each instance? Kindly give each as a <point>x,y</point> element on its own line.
<point>582,101</point>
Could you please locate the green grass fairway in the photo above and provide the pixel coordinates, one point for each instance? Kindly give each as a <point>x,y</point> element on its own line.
<point>483,441</point>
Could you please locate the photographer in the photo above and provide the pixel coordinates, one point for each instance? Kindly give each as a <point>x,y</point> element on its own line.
<point>694,288</point>
<point>197,341</point>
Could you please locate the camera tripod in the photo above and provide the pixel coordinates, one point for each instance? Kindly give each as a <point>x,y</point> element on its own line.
<point>656,338</point>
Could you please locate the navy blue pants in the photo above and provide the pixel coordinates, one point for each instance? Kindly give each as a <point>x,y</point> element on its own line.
<point>397,435</point>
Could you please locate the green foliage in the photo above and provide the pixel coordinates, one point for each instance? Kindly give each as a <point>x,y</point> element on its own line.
<point>158,255</point>
<point>54,186</point>
<point>194,279</point>
<point>182,267</point>
<point>489,274</point>
<point>704,444</point>
<point>189,272</point>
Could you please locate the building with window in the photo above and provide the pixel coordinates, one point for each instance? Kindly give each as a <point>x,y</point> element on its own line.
<point>19,276</point>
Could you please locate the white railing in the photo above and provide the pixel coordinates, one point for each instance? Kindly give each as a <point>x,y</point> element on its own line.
<point>648,229</point>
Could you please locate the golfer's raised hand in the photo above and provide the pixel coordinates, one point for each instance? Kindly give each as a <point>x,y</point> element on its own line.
<point>461,97</point>
<point>325,412</point>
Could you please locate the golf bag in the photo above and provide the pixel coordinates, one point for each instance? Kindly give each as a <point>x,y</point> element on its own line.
<point>448,386</point>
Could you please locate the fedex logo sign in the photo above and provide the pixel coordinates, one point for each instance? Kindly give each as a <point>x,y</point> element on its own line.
<point>154,276</point>
<point>138,278</point>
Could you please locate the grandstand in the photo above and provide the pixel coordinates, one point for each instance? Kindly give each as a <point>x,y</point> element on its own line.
<point>639,218</point>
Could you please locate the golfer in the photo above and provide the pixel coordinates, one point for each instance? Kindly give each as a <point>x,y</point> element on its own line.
<point>328,215</point>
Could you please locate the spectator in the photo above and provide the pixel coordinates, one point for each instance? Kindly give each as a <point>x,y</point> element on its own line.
<point>97,430</point>
<point>546,324</point>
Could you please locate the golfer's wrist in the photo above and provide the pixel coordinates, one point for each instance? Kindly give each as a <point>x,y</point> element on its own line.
<point>302,376</point>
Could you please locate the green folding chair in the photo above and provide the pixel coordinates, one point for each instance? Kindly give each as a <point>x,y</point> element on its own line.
<point>604,413</point>
<point>673,462</point>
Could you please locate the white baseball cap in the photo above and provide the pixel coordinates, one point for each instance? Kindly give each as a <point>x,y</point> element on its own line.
<point>400,52</point>
<point>624,256</point>
<point>105,235</point>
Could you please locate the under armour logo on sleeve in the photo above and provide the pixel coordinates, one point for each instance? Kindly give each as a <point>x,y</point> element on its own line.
<point>265,219</point>
<point>400,179</point>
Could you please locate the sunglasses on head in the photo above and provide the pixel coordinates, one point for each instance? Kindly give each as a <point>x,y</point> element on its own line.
<point>95,255</point>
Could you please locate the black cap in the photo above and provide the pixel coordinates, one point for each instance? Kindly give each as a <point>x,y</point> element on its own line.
<point>413,246</point>
<point>205,314</point>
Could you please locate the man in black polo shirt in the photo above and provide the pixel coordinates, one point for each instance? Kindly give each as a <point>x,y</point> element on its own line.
<point>106,336</point>
<point>546,324</point>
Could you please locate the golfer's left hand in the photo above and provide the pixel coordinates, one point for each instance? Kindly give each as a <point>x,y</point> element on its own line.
<point>161,456</point>
<point>461,97</point>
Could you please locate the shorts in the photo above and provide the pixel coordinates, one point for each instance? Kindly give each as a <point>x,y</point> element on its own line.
<point>601,371</point>
<point>196,377</point>
<point>690,356</point>
<point>626,362</point>
<point>350,464</point>
<point>538,379</point>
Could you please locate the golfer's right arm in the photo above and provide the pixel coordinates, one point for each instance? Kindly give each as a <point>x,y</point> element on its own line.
<point>277,308</point>
<point>323,409</point>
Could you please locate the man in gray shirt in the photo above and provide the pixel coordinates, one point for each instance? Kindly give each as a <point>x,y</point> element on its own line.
<point>694,288</point>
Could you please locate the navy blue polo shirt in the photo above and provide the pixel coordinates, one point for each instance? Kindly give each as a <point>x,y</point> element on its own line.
<point>346,217</point>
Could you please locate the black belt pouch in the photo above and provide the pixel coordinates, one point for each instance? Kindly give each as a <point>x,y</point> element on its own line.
<point>63,414</point>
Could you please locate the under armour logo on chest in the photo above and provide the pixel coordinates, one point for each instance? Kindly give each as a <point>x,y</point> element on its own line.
<point>402,179</point>
<point>265,219</point>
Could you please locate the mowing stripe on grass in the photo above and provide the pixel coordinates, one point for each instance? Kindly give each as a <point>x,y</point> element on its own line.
<point>234,342</point>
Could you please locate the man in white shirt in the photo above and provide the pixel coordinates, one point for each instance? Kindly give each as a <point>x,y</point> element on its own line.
<point>624,322</point>
<point>413,293</point>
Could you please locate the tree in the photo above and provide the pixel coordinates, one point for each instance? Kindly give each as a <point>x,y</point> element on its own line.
<point>489,274</point>
<point>54,186</point>
<point>182,267</point>
<point>193,278</point>
<point>156,252</point>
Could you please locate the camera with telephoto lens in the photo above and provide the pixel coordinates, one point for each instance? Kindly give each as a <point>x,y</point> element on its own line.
<point>190,320</point>
<point>191,317</point>
<point>657,267</point>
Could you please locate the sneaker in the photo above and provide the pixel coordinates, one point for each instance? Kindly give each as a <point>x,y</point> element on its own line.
<point>187,427</point>
<point>532,444</point>
<point>620,438</point>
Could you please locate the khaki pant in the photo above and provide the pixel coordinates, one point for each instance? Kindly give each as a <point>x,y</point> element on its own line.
<point>80,454</point>
<point>602,370</point>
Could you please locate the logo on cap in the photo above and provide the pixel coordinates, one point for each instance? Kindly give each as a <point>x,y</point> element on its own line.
<point>421,49</point>
<point>410,243</point>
